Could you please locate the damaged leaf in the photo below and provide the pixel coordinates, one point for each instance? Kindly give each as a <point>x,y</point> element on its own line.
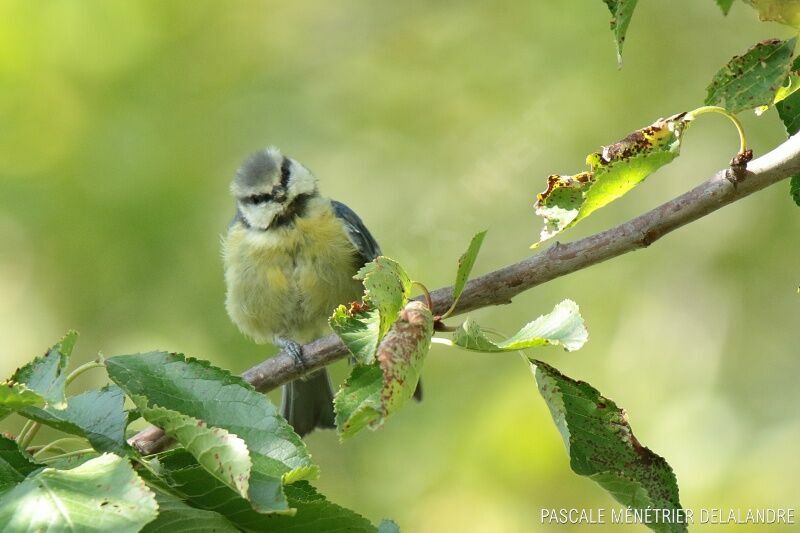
<point>753,78</point>
<point>373,392</point>
<point>783,11</point>
<point>621,13</point>
<point>386,287</point>
<point>562,327</point>
<point>601,445</point>
<point>358,325</point>
<point>615,170</point>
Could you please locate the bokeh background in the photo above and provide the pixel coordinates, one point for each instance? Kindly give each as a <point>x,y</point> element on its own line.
<point>122,122</point>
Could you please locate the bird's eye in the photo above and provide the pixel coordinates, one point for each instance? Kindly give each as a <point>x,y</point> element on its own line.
<point>256,199</point>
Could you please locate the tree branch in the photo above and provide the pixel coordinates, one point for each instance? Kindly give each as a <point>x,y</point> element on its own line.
<point>500,286</point>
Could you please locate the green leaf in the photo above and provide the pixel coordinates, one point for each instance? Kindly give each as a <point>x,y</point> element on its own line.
<point>725,5</point>
<point>15,396</point>
<point>175,516</point>
<point>789,111</point>
<point>783,11</point>
<point>359,328</point>
<point>386,287</point>
<point>98,415</point>
<point>601,446</point>
<point>40,381</point>
<point>752,79</point>
<point>15,464</point>
<point>103,494</point>
<point>313,512</point>
<point>372,393</point>
<point>465,264</point>
<point>358,401</point>
<point>615,170</point>
<point>621,13</point>
<point>165,386</point>
<point>223,454</point>
<point>794,189</point>
<point>563,326</point>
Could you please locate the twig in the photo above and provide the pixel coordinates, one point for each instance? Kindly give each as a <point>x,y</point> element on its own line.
<point>500,286</point>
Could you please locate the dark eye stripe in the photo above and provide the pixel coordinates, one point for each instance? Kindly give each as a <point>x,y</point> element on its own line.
<point>257,198</point>
<point>286,171</point>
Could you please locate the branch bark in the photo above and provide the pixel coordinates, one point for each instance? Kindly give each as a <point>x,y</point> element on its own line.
<point>500,286</point>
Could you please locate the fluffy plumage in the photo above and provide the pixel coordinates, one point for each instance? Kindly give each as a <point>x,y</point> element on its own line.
<point>290,256</point>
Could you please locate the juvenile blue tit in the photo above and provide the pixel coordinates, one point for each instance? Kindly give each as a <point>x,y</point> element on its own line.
<point>290,256</point>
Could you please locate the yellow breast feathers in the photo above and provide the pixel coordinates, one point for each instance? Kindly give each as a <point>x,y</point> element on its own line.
<point>287,281</point>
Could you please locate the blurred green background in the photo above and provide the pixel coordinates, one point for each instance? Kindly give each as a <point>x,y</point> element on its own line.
<point>122,122</point>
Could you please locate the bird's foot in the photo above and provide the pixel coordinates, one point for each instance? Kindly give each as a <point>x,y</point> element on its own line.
<point>294,349</point>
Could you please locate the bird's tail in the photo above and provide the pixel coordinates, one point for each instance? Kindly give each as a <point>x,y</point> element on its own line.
<point>308,403</point>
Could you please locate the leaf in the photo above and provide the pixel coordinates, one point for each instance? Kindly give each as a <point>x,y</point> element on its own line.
<point>168,385</point>
<point>465,264</point>
<point>615,170</point>
<point>752,79</point>
<point>621,13</point>
<point>40,381</point>
<point>223,454</point>
<point>15,464</point>
<point>372,393</point>
<point>313,512</point>
<point>15,396</point>
<point>563,326</point>
<point>386,287</point>
<point>103,494</point>
<point>401,354</point>
<point>359,328</point>
<point>794,189</point>
<point>783,11</point>
<point>601,445</point>
<point>725,5</point>
<point>175,516</point>
<point>97,415</point>
<point>358,400</point>
<point>789,111</point>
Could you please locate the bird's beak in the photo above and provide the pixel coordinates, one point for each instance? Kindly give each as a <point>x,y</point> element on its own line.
<point>279,193</point>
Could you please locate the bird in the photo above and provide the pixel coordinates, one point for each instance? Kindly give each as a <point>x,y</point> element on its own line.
<point>289,256</point>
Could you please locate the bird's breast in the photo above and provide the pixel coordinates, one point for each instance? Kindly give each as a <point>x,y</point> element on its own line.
<point>288,281</point>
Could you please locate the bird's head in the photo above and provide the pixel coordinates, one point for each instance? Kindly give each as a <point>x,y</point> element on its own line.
<point>272,189</point>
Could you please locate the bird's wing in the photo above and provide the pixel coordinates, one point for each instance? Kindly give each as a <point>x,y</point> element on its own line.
<point>358,233</point>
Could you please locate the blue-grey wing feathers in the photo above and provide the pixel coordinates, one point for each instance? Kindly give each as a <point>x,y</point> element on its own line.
<point>359,235</point>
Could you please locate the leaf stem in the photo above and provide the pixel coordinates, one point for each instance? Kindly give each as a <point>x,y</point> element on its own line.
<point>427,294</point>
<point>56,445</point>
<point>22,432</point>
<point>96,363</point>
<point>25,440</point>
<point>724,112</point>
<point>69,454</point>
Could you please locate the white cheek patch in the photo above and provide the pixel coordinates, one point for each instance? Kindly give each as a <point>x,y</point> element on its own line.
<point>302,181</point>
<point>259,216</point>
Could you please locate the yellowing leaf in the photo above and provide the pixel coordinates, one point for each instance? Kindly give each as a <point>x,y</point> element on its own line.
<point>615,170</point>
<point>783,11</point>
